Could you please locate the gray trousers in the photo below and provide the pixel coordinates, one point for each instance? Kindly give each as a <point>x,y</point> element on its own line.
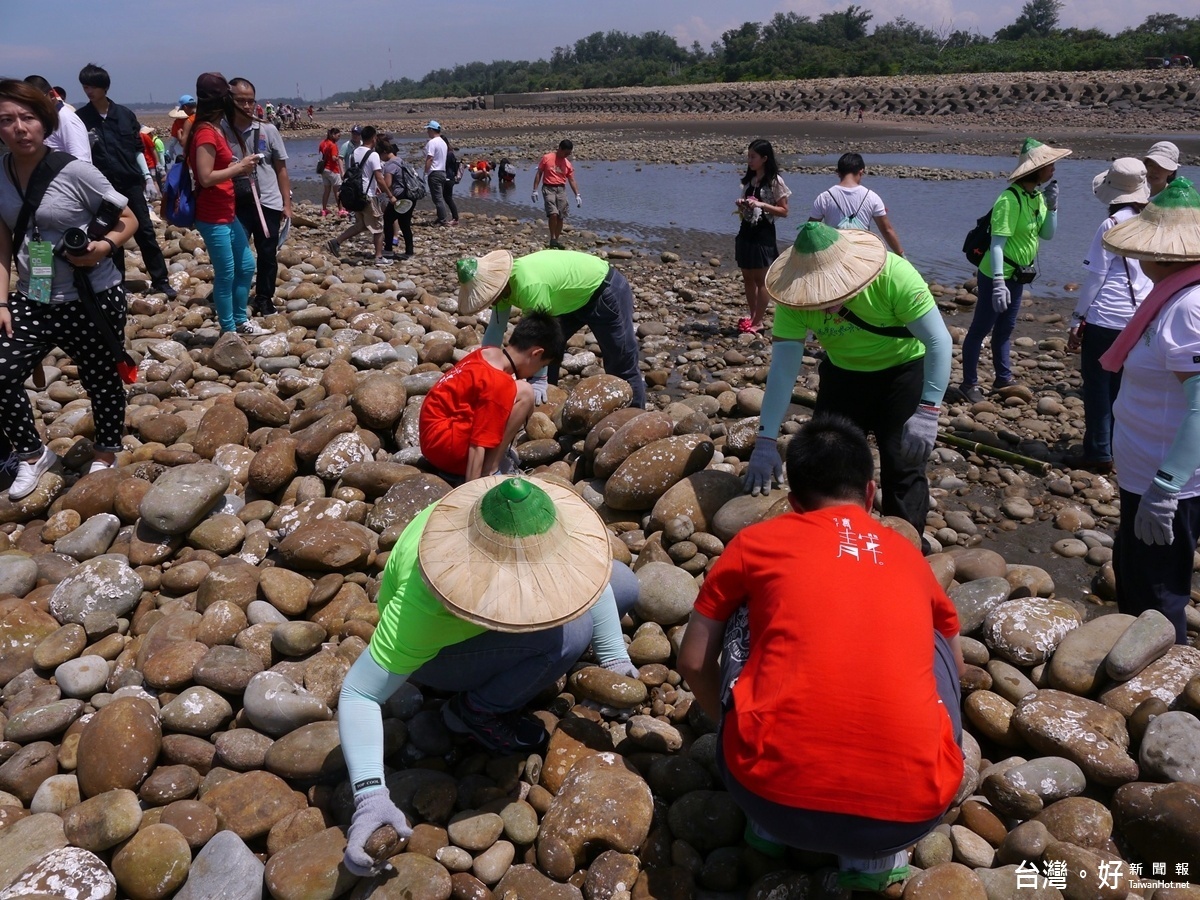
<point>437,193</point>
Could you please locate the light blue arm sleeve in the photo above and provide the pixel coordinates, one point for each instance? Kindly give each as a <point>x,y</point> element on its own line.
<point>997,251</point>
<point>931,331</point>
<point>366,688</point>
<point>493,336</point>
<point>607,641</point>
<point>1050,226</point>
<point>143,166</point>
<point>787,356</point>
<point>1183,459</point>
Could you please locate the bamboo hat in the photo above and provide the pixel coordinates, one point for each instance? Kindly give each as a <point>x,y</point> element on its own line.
<point>1035,155</point>
<point>825,266</point>
<point>514,555</point>
<point>1122,182</point>
<point>481,279</point>
<point>1167,230</point>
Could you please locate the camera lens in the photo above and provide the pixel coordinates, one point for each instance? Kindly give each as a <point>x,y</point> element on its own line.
<point>75,240</point>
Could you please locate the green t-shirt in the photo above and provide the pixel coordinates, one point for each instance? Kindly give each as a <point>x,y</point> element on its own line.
<point>896,297</point>
<point>413,623</point>
<point>554,281</point>
<point>1017,216</point>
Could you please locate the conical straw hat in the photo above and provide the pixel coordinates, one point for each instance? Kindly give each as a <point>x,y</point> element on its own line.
<point>481,279</point>
<point>825,266</point>
<point>1167,230</point>
<point>512,554</point>
<point>1035,155</point>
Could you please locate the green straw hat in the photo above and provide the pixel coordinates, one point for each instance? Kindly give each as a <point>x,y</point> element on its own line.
<point>515,554</point>
<point>1036,155</point>
<point>481,279</point>
<point>1167,230</point>
<point>825,266</point>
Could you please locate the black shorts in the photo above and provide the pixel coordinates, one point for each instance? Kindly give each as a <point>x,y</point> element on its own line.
<point>755,246</point>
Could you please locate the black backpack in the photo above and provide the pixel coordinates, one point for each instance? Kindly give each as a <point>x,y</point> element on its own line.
<point>352,195</point>
<point>979,239</point>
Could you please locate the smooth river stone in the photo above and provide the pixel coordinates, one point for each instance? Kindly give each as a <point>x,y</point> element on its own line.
<point>1088,733</point>
<point>1078,664</point>
<point>68,872</point>
<point>1022,791</point>
<point>475,831</point>
<point>1170,749</point>
<point>1165,678</point>
<point>18,574</point>
<point>276,705</point>
<point>310,869</point>
<point>1027,631</point>
<point>27,841</point>
<point>1160,822</point>
<point>39,723</point>
<point>592,399</point>
<point>666,593</point>
<point>227,869</point>
<point>1078,820</point>
<point>182,496</point>
<point>630,437</point>
<point>118,746</point>
<point>153,863</point>
<point>90,539</point>
<point>56,794</point>
<point>975,599</point>
<point>649,472</point>
<point>609,688</point>
<point>1146,640</point>
<point>104,585</point>
<point>251,803</point>
<point>197,710</point>
<point>949,881</point>
<point>103,821</point>
<point>311,751</point>
<point>327,546</point>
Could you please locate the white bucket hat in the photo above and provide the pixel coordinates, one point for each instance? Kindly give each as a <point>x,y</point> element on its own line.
<point>1122,182</point>
<point>1165,154</point>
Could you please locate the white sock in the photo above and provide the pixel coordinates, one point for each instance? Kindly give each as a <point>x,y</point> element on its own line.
<point>873,863</point>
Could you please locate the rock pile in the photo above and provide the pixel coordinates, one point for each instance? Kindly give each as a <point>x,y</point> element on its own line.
<point>175,631</point>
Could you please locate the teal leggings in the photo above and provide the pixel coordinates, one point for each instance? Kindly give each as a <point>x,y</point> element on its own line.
<point>233,270</point>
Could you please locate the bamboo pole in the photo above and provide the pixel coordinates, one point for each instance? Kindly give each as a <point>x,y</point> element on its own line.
<point>809,399</point>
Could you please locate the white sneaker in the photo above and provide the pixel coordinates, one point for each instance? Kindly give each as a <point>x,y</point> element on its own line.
<point>29,472</point>
<point>99,465</point>
<point>250,329</point>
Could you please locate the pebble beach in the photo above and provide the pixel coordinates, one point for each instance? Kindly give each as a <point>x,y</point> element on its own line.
<point>175,630</point>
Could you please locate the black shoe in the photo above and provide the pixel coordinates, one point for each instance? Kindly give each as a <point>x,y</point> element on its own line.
<point>163,287</point>
<point>504,733</point>
<point>263,306</point>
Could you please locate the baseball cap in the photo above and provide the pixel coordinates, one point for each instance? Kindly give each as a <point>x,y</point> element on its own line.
<point>187,100</point>
<point>433,124</point>
<point>357,129</point>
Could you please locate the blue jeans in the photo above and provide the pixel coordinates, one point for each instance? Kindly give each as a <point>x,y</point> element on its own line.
<point>1099,392</point>
<point>233,270</point>
<point>1000,325</point>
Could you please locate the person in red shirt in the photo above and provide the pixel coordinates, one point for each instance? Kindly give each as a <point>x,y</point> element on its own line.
<point>470,417</point>
<point>555,172</point>
<point>840,732</point>
<point>331,172</point>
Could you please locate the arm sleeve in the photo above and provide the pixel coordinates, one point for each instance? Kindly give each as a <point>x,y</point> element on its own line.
<point>787,356</point>
<point>1092,282</point>
<point>931,331</point>
<point>143,167</point>
<point>607,641</point>
<point>1183,459</point>
<point>1050,226</point>
<point>360,719</point>
<point>997,251</point>
<point>493,335</point>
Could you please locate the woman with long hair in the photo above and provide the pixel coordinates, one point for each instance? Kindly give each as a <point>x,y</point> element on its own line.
<point>225,239</point>
<point>68,289</point>
<point>764,198</point>
<point>393,167</point>
<point>1112,290</point>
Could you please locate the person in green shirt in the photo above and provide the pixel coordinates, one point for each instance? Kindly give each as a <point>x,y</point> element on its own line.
<point>492,594</point>
<point>576,288</point>
<point>1021,217</point>
<point>887,357</point>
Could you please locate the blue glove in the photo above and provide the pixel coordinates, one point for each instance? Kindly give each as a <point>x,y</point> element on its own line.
<point>540,386</point>
<point>1050,193</point>
<point>1001,296</point>
<point>372,809</point>
<point>765,467</point>
<point>920,434</point>
<point>1154,523</point>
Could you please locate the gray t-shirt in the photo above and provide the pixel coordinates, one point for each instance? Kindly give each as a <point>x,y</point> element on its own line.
<point>270,145</point>
<point>72,199</point>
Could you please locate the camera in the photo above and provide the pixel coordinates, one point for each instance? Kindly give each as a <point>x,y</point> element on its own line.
<point>75,241</point>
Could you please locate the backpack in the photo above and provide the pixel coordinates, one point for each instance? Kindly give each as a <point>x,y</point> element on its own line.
<point>179,196</point>
<point>412,186</point>
<point>979,239</point>
<point>352,195</point>
<point>851,220</point>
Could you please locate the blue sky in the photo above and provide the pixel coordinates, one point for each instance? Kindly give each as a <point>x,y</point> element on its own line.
<point>155,50</point>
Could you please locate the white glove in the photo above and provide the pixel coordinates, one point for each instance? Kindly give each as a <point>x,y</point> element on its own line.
<point>1001,296</point>
<point>622,667</point>
<point>372,810</point>
<point>578,202</point>
<point>536,197</point>
<point>541,386</point>
<point>1050,193</point>
<point>1155,519</point>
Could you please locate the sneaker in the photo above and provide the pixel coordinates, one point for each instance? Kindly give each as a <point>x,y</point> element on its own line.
<point>505,733</point>
<point>382,261</point>
<point>754,837</point>
<point>29,472</point>
<point>973,393</point>
<point>249,329</point>
<point>99,465</point>
<point>163,287</point>
<point>263,306</point>
<point>342,212</point>
<point>333,247</point>
<point>324,213</point>
<point>1001,383</point>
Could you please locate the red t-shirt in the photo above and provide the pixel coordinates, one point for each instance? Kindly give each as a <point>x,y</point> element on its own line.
<point>148,151</point>
<point>214,205</point>
<point>837,708</point>
<point>555,169</point>
<point>329,152</point>
<point>469,406</point>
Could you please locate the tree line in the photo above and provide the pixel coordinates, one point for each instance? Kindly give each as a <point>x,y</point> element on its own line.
<point>834,45</point>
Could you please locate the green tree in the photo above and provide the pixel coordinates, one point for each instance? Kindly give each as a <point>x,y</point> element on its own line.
<point>1039,18</point>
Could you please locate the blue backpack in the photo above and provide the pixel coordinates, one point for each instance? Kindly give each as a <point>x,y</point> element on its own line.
<point>179,197</point>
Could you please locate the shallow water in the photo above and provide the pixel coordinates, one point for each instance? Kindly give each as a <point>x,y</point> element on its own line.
<point>931,217</point>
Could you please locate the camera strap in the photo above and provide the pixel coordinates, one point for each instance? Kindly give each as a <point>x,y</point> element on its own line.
<point>31,198</point>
